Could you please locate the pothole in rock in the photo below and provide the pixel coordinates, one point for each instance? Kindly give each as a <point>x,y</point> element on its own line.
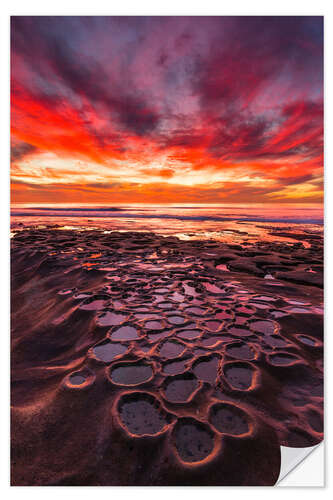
<point>126,332</point>
<point>155,337</point>
<point>247,311</point>
<point>165,305</point>
<point>106,350</point>
<point>110,318</point>
<point>213,289</point>
<point>177,297</point>
<point>240,320</point>
<point>225,314</point>
<point>130,374</point>
<point>189,334</point>
<point>305,339</point>
<point>82,295</point>
<point>213,326</point>
<point>241,350</point>
<point>171,349</point>
<point>189,290</point>
<point>265,298</point>
<point>299,310</point>
<point>194,441</point>
<point>111,276</point>
<point>195,302</point>
<point>147,316</point>
<point>297,302</point>
<point>222,267</point>
<point>154,325</point>
<point>197,311</point>
<point>240,375</point>
<point>77,379</point>
<point>67,291</point>
<point>95,303</point>
<point>142,414</point>
<point>180,388</point>
<point>283,359</point>
<point>80,379</point>
<point>239,332</point>
<point>176,320</point>
<point>161,290</point>
<point>229,419</point>
<point>259,305</point>
<point>264,327</point>
<point>157,299</point>
<point>205,368</point>
<point>175,367</point>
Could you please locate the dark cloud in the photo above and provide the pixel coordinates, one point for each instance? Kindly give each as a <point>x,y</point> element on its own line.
<point>81,75</point>
<point>19,150</point>
<point>290,181</point>
<point>255,52</point>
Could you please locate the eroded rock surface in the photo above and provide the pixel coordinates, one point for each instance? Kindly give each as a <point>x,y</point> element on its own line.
<point>142,359</point>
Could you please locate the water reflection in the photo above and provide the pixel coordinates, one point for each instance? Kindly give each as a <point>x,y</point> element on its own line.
<point>237,224</point>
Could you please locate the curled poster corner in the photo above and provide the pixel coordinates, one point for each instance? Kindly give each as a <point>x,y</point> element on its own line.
<point>291,458</point>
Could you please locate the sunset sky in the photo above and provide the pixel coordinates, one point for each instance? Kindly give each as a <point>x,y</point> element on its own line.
<point>173,109</point>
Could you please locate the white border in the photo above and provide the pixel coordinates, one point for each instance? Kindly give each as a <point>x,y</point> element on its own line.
<point>141,7</point>
<point>303,467</point>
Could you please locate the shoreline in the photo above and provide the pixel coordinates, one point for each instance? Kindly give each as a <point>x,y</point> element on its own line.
<point>116,213</point>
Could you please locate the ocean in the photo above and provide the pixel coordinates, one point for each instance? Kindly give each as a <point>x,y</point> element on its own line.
<point>229,222</point>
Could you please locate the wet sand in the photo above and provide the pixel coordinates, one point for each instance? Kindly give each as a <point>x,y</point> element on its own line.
<point>139,359</point>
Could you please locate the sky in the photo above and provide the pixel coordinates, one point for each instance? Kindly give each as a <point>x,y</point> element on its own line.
<point>167,109</point>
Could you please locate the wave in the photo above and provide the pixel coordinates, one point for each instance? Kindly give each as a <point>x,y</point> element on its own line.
<point>79,209</point>
<point>123,214</point>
